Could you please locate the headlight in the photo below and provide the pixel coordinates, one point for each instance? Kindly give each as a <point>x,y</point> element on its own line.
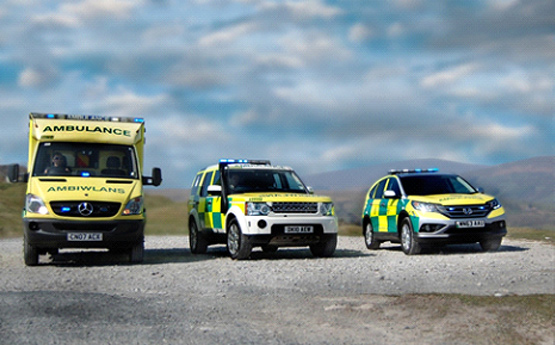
<point>34,204</point>
<point>424,206</point>
<point>326,208</point>
<point>258,209</point>
<point>494,204</point>
<point>133,207</point>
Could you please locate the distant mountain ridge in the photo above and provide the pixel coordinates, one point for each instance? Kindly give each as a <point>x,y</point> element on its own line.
<point>364,177</point>
<point>526,188</point>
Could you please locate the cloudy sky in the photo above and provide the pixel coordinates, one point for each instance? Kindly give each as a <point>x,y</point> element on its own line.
<point>319,85</point>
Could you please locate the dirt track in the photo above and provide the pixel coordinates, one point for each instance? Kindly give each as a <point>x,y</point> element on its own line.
<point>356,297</point>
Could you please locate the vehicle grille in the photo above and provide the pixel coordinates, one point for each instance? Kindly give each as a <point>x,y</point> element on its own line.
<point>295,207</point>
<point>71,209</point>
<point>466,211</point>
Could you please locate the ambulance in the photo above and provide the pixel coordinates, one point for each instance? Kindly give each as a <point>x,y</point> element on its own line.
<point>252,203</point>
<point>84,185</point>
<point>425,208</point>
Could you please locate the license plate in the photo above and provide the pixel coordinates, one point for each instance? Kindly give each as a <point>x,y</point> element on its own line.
<point>84,236</point>
<point>299,229</point>
<point>471,224</point>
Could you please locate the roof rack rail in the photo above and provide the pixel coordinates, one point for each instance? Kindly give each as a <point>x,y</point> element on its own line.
<point>411,171</point>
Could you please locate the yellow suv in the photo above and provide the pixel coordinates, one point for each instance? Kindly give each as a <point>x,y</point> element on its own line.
<point>249,203</point>
<point>425,208</point>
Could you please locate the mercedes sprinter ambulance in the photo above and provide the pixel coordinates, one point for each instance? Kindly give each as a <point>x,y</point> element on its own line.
<point>84,185</point>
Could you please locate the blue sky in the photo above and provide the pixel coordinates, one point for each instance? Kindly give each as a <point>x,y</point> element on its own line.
<point>316,85</point>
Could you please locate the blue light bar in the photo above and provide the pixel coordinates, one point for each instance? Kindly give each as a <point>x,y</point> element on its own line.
<point>139,120</point>
<point>50,116</point>
<point>85,174</point>
<point>411,171</point>
<point>65,209</point>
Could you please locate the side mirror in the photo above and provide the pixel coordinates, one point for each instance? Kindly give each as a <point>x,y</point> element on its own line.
<point>156,178</point>
<point>214,190</point>
<point>13,173</point>
<point>389,194</point>
<point>480,190</point>
<point>310,190</point>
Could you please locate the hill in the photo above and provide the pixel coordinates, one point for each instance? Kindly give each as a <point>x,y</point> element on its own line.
<point>525,188</point>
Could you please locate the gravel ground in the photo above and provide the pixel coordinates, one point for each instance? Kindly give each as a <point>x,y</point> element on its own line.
<point>356,297</point>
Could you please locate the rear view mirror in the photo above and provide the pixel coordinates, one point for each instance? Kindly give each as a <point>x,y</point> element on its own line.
<point>214,190</point>
<point>13,173</point>
<point>389,194</point>
<point>156,178</point>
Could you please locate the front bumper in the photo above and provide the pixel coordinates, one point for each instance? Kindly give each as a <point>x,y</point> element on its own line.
<point>263,230</point>
<point>47,233</point>
<point>437,231</point>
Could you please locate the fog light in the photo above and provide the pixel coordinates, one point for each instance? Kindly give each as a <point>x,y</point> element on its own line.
<point>33,226</point>
<point>262,224</point>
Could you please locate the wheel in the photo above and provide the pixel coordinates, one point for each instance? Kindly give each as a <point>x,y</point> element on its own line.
<point>326,247</point>
<point>408,244</point>
<point>491,245</point>
<point>136,253</point>
<point>238,245</point>
<point>197,243</point>
<point>30,254</point>
<point>369,238</point>
<point>268,248</point>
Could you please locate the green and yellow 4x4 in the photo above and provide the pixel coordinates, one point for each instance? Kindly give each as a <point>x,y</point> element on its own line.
<point>425,208</point>
<point>246,203</point>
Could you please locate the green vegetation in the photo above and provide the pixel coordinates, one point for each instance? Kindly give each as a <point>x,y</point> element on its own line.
<point>168,217</point>
<point>12,198</point>
<point>487,319</point>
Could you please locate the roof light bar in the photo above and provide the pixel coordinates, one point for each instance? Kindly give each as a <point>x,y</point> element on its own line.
<point>411,171</point>
<point>226,161</point>
<point>86,117</point>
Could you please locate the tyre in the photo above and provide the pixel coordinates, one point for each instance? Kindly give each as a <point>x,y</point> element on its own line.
<point>408,244</point>
<point>369,238</point>
<point>197,242</point>
<point>136,253</point>
<point>30,254</point>
<point>326,247</point>
<point>238,245</point>
<point>491,245</point>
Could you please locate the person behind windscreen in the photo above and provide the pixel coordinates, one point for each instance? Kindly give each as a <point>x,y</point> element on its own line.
<point>58,166</point>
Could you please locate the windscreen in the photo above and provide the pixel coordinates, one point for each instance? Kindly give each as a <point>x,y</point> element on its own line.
<point>86,160</point>
<point>263,180</point>
<point>435,184</point>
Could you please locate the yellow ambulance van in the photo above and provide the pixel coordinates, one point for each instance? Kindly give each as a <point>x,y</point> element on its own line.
<point>84,185</point>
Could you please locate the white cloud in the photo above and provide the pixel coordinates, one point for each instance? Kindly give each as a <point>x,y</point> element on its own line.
<point>360,32</point>
<point>90,9</point>
<point>449,76</point>
<point>127,103</point>
<point>36,77</point>
<point>305,9</point>
<point>227,35</point>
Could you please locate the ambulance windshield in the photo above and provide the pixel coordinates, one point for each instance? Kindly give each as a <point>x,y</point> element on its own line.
<point>85,160</point>
<point>264,180</point>
<point>435,184</point>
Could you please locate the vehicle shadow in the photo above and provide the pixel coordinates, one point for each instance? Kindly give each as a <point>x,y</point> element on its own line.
<point>106,258</point>
<point>473,248</point>
<point>288,253</point>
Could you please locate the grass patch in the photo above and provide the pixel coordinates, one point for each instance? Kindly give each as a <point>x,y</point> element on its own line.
<point>547,236</point>
<point>508,320</point>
